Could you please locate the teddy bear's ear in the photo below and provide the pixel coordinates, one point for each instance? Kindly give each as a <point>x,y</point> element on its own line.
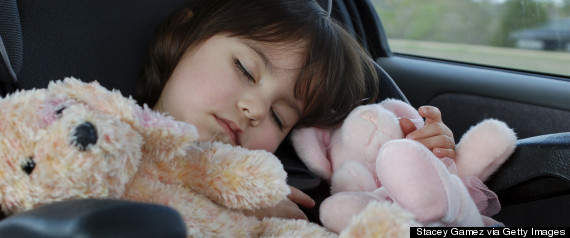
<point>311,145</point>
<point>96,96</point>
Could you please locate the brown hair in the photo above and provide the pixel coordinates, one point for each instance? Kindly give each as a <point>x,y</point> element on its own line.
<point>331,81</point>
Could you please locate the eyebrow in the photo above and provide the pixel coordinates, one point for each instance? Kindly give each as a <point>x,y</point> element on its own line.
<point>269,66</point>
<point>266,62</point>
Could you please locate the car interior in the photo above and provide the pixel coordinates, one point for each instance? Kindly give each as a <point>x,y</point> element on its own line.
<point>106,41</point>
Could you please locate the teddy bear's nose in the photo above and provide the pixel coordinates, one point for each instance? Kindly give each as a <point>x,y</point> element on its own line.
<point>84,135</point>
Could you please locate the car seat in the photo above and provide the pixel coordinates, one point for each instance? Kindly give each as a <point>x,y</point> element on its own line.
<point>105,40</point>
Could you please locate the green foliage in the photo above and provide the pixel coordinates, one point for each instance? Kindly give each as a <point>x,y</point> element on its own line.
<point>480,22</point>
<point>517,15</point>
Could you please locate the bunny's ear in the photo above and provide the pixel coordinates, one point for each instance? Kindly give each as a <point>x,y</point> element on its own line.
<point>311,144</point>
<point>402,109</point>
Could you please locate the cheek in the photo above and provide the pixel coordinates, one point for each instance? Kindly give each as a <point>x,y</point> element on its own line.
<point>267,139</point>
<point>198,89</point>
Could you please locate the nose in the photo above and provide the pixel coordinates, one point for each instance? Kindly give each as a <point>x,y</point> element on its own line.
<point>84,135</point>
<point>254,110</point>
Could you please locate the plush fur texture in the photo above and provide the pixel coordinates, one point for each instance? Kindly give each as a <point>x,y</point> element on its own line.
<point>394,222</point>
<point>77,140</point>
<point>367,160</point>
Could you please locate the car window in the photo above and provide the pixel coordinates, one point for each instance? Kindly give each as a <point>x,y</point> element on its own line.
<point>529,35</point>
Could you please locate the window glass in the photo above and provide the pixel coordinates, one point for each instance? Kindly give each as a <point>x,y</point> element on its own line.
<point>530,35</point>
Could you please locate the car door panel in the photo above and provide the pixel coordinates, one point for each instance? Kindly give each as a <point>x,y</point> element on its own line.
<point>531,104</point>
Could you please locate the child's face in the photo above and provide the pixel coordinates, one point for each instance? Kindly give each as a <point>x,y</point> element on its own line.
<point>235,91</point>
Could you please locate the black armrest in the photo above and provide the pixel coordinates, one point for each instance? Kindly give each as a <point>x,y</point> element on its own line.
<point>541,160</point>
<point>95,218</point>
<point>534,183</point>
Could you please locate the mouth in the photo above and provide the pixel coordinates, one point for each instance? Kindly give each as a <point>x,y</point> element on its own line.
<point>232,130</point>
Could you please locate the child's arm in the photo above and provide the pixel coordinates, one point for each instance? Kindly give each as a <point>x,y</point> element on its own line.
<point>435,135</point>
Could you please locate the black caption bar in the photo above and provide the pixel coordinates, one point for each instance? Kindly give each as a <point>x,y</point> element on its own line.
<point>488,232</point>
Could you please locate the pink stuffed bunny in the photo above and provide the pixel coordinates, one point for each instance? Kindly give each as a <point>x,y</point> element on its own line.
<point>367,159</point>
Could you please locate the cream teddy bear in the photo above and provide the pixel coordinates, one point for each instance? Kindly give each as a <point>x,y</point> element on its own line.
<point>366,159</point>
<point>76,140</point>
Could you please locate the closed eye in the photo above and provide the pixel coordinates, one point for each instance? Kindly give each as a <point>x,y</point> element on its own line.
<point>276,119</point>
<point>243,71</point>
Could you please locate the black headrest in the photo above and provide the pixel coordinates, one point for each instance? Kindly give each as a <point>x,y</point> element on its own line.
<point>359,18</point>
<point>103,40</point>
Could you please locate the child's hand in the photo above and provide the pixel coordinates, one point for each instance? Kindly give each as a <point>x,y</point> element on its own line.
<point>435,135</point>
<point>287,208</point>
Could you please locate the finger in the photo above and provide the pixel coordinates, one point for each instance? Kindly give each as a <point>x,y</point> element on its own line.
<point>430,130</point>
<point>444,153</point>
<point>431,113</point>
<point>296,213</point>
<point>284,209</point>
<point>289,209</point>
<point>407,125</point>
<point>440,141</point>
<point>299,197</point>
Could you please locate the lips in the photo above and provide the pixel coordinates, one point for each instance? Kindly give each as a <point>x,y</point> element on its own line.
<point>232,129</point>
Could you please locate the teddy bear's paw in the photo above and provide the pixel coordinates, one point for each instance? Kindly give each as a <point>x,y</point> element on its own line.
<point>279,227</point>
<point>236,177</point>
<point>337,211</point>
<point>381,219</point>
<point>169,137</point>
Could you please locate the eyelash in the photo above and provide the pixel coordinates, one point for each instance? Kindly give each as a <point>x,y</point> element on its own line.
<point>276,119</point>
<point>243,71</point>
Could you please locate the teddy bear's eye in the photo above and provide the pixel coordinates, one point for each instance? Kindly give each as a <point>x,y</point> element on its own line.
<point>29,165</point>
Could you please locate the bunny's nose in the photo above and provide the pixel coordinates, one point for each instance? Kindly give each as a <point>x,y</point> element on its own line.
<point>84,135</point>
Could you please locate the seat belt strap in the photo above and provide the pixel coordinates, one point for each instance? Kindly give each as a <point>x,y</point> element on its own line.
<point>7,75</point>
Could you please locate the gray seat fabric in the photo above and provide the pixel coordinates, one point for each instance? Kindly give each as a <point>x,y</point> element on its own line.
<point>11,45</point>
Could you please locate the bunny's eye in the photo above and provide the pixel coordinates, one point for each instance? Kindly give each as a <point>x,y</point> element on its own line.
<point>28,165</point>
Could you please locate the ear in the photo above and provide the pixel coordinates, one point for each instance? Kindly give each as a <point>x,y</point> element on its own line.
<point>402,109</point>
<point>96,96</point>
<point>311,144</point>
